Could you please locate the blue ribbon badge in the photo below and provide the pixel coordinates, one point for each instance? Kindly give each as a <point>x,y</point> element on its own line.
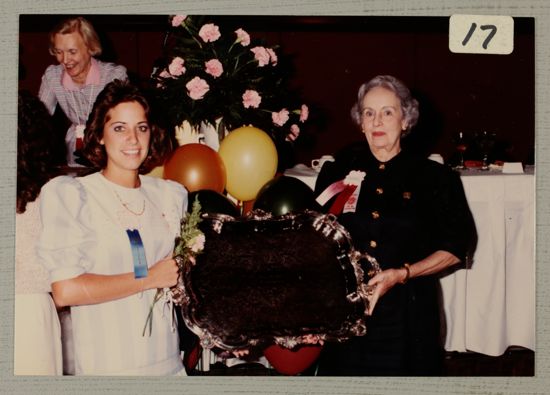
<point>138,252</point>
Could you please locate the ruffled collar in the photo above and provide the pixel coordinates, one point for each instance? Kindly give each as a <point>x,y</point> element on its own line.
<point>92,78</point>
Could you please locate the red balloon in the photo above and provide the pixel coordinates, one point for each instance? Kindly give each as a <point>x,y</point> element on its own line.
<point>196,167</point>
<point>292,362</point>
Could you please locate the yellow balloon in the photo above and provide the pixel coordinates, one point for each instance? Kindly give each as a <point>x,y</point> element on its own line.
<point>250,160</point>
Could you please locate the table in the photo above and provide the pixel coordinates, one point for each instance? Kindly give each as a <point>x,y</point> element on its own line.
<point>490,305</point>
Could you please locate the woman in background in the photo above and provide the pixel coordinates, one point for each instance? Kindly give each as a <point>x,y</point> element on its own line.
<point>108,239</point>
<point>76,81</point>
<point>37,336</point>
<point>411,214</point>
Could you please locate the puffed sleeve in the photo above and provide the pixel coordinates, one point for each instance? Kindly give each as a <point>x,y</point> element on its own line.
<point>454,229</point>
<point>179,199</point>
<point>66,238</point>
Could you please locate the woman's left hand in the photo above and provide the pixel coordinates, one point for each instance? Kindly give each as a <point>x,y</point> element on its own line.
<point>381,283</point>
<point>240,353</point>
<point>312,339</point>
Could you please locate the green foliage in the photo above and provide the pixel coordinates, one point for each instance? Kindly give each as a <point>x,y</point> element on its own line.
<point>189,230</point>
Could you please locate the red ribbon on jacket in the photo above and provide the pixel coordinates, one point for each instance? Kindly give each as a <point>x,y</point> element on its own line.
<point>344,189</point>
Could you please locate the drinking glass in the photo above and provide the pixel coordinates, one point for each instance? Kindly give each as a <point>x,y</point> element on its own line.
<point>485,141</point>
<point>461,145</point>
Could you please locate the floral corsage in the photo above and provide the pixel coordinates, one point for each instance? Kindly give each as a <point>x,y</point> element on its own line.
<point>189,244</point>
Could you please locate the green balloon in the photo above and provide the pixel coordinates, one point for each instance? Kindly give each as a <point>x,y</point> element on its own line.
<point>284,195</point>
<point>213,202</point>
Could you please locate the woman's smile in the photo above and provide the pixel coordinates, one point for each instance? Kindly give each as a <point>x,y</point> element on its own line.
<point>74,55</point>
<point>131,151</point>
<point>126,138</point>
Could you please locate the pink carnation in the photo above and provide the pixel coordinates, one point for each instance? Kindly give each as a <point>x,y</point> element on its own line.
<point>197,88</point>
<point>214,67</point>
<point>261,55</point>
<point>164,74</point>
<point>209,32</point>
<point>178,19</point>
<point>272,56</point>
<point>176,66</point>
<point>304,113</point>
<point>251,98</point>
<point>280,118</point>
<point>294,133</point>
<point>243,37</point>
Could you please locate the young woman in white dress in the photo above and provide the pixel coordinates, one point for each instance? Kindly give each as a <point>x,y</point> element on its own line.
<point>37,336</point>
<point>108,238</point>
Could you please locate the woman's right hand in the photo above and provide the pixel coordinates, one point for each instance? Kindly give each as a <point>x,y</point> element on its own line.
<point>163,274</point>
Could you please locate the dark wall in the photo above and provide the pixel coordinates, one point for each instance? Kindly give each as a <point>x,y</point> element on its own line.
<point>332,56</point>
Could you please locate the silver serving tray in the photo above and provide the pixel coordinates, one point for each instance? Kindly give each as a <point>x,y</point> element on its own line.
<point>266,279</point>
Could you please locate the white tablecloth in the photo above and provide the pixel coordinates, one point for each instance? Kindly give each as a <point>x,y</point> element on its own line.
<point>491,305</point>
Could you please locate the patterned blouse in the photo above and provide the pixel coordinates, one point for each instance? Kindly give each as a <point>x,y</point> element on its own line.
<point>76,102</point>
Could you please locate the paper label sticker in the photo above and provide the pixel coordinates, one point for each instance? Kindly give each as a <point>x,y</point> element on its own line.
<point>481,34</point>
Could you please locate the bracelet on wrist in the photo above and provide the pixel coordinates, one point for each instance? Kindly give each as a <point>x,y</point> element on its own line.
<point>406,266</point>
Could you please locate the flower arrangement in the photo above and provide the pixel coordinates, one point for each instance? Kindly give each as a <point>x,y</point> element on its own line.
<point>189,244</point>
<point>225,79</point>
<point>191,240</point>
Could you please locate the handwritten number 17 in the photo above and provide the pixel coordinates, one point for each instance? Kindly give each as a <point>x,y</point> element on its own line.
<point>492,32</point>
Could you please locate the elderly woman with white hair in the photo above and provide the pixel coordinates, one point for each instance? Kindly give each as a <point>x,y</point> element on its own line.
<point>77,79</point>
<point>411,214</point>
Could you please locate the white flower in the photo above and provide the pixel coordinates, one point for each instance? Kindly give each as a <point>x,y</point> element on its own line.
<point>354,177</point>
<point>196,244</point>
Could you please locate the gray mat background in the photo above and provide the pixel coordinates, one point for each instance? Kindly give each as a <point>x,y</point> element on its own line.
<point>9,384</point>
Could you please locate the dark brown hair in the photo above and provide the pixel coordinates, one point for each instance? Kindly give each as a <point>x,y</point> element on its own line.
<point>113,94</point>
<point>35,162</point>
